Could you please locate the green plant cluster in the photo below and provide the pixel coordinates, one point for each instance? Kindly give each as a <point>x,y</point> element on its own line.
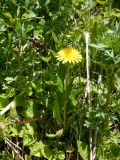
<point>38,126</point>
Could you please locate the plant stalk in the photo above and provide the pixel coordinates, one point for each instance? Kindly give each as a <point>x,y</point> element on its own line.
<point>94,143</point>
<point>66,86</point>
<point>87,93</point>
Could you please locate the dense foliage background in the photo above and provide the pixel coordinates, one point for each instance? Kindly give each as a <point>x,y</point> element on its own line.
<point>32,80</point>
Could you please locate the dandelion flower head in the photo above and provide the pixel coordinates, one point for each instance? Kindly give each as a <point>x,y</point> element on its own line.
<point>69,55</point>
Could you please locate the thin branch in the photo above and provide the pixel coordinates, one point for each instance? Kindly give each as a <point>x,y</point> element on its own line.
<point>16,146</point>
<point>32,120</point>
<point>8,107</point>
<point>10,145</point>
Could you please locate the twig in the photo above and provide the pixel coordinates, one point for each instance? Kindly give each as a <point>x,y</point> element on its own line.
<point>8,107</point>
<point>8,143</point>
<point>13,144</point>
<point>32,120</point>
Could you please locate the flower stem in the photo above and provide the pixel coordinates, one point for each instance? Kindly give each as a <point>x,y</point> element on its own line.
<point>66,86</point>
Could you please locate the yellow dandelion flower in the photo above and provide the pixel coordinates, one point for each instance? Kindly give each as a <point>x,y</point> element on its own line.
<point>69,55</point>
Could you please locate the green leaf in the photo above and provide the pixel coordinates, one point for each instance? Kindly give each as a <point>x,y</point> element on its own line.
<point>3,101</point>
<point>10,79</point>
<point>14,131</point>
<point>28,89</point>
<point>13,112</point>
<point>56,111</point>
<point>117,59</point>
<point>27,157</point>
<point>2,28</point>
<point>28,135</point>
<point>115,12</point>
<point>62,72</point>
<point>39,149</point>
<point>54,37</point>
<point>29,15</point>
<point>61,155</point>
<point>98,46</point>
<point>9,16</point>
<point>47,152</point>
<point>69,9</point>
<point>35,150</point>
<point>19,100</point>
<point>46,59</point>
<point>2,25</point>
<point>60,85</point>
<point>29,113</point>
<point>57,134</point>
<point>102,2</point>
<point>27,139</point>
<point>82,149</point>
<point>47,2</point>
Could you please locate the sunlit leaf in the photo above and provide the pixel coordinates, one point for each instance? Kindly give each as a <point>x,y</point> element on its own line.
<point>29,15</point>
<point>57,134</point>
<point>47,152</point>
<point>102,2</point>
<point>36,149</point>
<point>8,15</point>
<point>61,155</point>
<point>47,2</point>
<point>82,149</point>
